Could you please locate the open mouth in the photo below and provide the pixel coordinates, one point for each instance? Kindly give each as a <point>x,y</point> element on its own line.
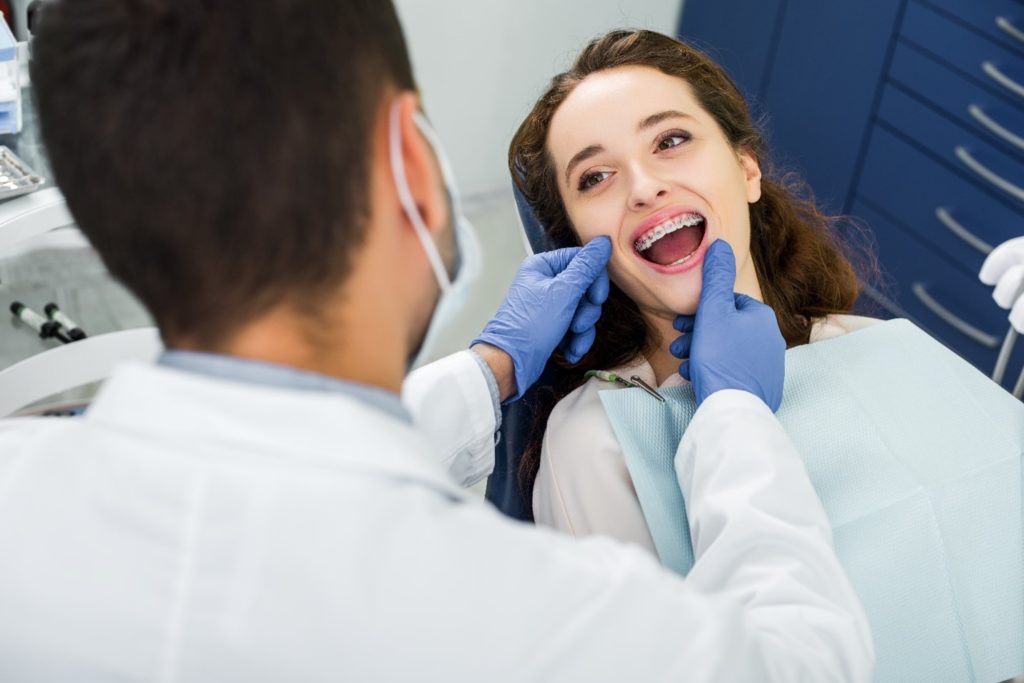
<point>672,242</point>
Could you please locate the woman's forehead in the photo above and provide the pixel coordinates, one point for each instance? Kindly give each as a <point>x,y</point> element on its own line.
<point>613,103</point>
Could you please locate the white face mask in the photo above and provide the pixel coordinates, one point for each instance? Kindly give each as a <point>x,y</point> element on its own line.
<point>467,266</point>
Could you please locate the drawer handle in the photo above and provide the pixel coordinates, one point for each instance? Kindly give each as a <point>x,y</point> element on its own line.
<point>921,292</point>
<point>993,72</point>
<point>1007,27</point>
<point>994,127</point>
<point>992,177</point>
<point>955,227</point>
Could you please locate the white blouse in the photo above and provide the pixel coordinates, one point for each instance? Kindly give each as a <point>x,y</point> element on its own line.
<point>583,486</point>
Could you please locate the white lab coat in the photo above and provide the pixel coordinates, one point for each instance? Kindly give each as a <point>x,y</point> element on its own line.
<point>196,529</point>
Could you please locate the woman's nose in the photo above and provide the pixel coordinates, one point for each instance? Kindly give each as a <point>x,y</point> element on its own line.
<point>646,190</point>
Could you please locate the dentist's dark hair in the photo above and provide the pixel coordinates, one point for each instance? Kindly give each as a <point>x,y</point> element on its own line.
<point>800,262</point>
<point>217,152</point>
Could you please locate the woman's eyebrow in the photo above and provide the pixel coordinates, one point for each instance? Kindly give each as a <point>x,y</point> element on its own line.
<point>649,122</point>
<point>655,119</point>
<point>580,157</point>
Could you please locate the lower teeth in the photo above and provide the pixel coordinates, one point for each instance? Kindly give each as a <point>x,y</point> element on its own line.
<point>682,260</point>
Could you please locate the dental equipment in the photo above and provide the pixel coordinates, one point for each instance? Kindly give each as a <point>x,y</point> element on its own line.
<point>54,313</point>
<point>16,177</point>
<point>632,382</point>
<point>1004,356</point>
<point>47,329</point>
<point>646,387</point>
<point>606,376</point>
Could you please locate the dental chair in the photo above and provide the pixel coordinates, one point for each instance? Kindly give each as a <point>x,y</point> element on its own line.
<point>503,488</point>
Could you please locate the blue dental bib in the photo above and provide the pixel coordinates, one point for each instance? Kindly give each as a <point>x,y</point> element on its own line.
<point>917,458</point>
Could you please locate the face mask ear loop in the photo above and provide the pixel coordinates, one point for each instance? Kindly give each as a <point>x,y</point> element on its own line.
<point>447,174</point>
<point>405,197</point>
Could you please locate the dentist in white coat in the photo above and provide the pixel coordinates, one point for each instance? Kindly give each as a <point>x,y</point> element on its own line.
<point>259,505</point>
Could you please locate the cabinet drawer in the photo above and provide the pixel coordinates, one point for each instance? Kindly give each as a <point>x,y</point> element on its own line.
<point>992,65</point>
<point>981,163</point>
<point>1000,20</point>
<point>954,308</point>
<point>934,203</point>
<point>977,109</point>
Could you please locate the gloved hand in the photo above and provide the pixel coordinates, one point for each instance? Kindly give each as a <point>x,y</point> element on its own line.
<point>554,302</point>
<point>733,341</point>
<point>1004,268</point>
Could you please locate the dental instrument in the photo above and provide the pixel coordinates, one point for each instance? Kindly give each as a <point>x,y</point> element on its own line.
<point>47,329</point>
<point>646,387</point>
<point>633,382</point>
<point>606,376</point>
<point>54,313</point>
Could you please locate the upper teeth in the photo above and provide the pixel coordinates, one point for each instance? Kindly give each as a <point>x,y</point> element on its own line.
<point>667,228</point>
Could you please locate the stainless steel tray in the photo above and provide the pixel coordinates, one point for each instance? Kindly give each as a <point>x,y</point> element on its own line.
<point>16,177</point>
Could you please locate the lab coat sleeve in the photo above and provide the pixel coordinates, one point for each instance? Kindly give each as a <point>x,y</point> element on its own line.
<point>451,404</point>
<point>761,537</point>
<point>583,486</point>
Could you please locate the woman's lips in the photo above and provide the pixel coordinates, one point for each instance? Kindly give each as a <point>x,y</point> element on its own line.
<point>665,216</point>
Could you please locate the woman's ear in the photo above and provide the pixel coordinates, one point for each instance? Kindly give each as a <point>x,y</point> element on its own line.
<point>422,170</point>
<point>752,175</point>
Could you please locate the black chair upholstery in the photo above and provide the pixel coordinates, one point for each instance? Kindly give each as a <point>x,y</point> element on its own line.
<point>503,488</point>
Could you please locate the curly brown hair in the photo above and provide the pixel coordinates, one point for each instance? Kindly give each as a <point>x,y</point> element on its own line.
<point>802,269</point>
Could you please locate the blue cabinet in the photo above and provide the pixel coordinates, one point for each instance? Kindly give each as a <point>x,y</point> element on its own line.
<point>909,115</point>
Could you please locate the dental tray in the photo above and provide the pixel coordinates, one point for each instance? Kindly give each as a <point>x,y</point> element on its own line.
<point>16,177</point>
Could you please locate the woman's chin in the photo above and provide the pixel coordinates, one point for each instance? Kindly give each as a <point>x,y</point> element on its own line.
<point>668,307</point>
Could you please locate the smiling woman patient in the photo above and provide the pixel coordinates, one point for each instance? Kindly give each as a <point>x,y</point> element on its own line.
<point>647,141</point>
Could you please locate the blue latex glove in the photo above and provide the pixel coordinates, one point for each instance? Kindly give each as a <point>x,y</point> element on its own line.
<point>554,302</point>
<point>733,341</point>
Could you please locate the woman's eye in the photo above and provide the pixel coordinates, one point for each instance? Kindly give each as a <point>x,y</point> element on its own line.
<point>673,140</point>
<point>589,180</point>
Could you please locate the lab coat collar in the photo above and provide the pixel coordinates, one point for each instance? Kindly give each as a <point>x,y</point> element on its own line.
<point>320,429</point>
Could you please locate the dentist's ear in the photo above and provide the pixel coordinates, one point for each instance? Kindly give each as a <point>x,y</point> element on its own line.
<point>422,170</point>
<point>752,175</point>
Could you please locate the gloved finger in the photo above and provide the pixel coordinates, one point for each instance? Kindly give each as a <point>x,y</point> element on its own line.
<point>1008,288</point>
<point>597,293</point>
<point>744,302</point>
<point>588,264</point>
<point>684,370</point>
<point>684,323</point>
<point>551,263</point>
<point>585,318</point>
<point>1007,254</point>
<point>1017,315</point>
<point>719,277</point>
<point>579,345</point>
<point>680,347</point>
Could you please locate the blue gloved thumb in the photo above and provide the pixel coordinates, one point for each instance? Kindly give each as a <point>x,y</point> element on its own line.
<point>719,277</point>
<point>588,270</point>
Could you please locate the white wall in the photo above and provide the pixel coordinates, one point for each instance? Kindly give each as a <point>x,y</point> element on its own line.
<point>482,63</point>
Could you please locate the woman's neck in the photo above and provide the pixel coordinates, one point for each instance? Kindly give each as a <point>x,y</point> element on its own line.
<point>662,362</point>
<point>663,333</point>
